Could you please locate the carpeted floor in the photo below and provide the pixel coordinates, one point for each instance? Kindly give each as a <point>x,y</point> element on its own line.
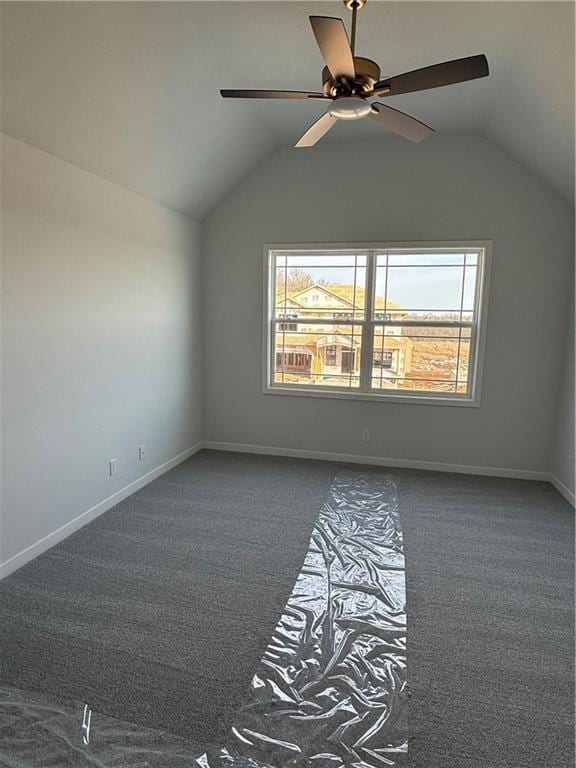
<point>163,606</point>
<point>158,612</point>
<point>490,603</point>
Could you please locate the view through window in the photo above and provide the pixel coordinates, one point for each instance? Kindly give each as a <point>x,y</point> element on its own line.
<point>389,321</point>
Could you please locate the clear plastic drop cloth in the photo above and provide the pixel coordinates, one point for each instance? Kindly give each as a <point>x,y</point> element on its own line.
<point>329,692</point>
<point>41,731</point>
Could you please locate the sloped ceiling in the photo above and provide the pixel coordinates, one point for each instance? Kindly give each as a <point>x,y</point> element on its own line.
<point>129,90</point>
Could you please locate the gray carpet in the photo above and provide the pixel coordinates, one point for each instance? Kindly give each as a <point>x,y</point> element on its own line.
<point>490,602</point>
<point>163,606</point>
<point>159,611</point>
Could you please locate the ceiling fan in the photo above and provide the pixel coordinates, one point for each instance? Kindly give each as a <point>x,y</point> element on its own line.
<point>348,81</point>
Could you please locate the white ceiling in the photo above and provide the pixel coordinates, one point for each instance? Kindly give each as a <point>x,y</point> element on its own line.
<point>129,90</point>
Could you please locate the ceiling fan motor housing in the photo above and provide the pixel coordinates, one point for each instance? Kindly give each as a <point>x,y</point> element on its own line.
<point>367,75</point>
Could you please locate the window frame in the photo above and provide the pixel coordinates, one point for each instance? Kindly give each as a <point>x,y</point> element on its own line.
<point>483,248</point>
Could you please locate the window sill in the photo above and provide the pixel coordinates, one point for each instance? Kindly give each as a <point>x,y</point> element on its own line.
<point>376,397</point>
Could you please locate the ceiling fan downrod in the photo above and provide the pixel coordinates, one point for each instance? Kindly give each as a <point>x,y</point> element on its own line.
<point>354,6</point>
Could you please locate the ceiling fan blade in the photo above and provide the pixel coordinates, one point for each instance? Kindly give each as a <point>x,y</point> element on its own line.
<point>317,130</point>
<point>334,45</point>
<point>234,94</point>
<point>446,73</point>
<point>400,123</point>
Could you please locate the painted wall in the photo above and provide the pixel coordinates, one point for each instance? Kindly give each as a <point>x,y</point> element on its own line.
<point>564,456</point>
<point>101,340</point>
<point>447,188</point>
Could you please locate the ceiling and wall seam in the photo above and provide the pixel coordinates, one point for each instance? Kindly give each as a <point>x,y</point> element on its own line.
<point>238,183</point>
<point>102,178</point>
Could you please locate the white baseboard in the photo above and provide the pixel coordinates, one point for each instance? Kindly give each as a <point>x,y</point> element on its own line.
<point>563,489</point>
<point>23,557</point>
<point>350,458</point>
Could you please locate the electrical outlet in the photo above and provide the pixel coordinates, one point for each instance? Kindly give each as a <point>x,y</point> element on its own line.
<point>365,435</point>
<point>113,467</point>
<point>141,452</point>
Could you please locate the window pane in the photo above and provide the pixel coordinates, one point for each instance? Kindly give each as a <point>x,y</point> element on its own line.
<point>420,358</point>
<point>422,259</point>
<point>321,287</point>
<point>326,355</point>
<point>469,288</point>
<point>463,361</point>
<point>322,258</point>
<point>425,287</point>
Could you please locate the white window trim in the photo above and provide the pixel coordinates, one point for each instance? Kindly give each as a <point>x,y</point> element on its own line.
<point>414,397</point>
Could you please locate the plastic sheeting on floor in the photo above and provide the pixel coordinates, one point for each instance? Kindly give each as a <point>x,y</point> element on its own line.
<point>330,690</point>
<point>40,731</point>
<point>331,687</point>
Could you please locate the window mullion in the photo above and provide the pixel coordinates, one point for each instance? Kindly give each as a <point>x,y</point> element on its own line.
<point>426,323</point>
<point>368,325</point>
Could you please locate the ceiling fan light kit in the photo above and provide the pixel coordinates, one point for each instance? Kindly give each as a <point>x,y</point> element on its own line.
<point>350,108</point>
<point>348,81</point>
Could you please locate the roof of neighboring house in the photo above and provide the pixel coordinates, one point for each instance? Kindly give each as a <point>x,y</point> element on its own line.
<point>317,287</point>
<point>342,336</point>
<point>346,292</point>
<point>286,301</point>
<point>393,342</point>
<point>292,296</point>
<point>294,340</point>
<point>301,348</point>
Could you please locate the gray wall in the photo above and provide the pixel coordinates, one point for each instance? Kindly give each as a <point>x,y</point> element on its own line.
<point>447,188</point>
<point>101,340</point>
<point>101,321</point>
<point>563,459</point>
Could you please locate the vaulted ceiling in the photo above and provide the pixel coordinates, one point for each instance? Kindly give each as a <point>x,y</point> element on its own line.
<point>129,90</point>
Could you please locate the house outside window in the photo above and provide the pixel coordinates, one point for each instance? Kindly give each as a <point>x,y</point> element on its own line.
<point>384,359</point>
<point>288,326</point>
<point>331,354</point>
<point>402,322</point>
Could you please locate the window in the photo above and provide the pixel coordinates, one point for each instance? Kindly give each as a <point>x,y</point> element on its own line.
<point>288,326</point>
<point>384,359</point>
<point>402,322</point>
